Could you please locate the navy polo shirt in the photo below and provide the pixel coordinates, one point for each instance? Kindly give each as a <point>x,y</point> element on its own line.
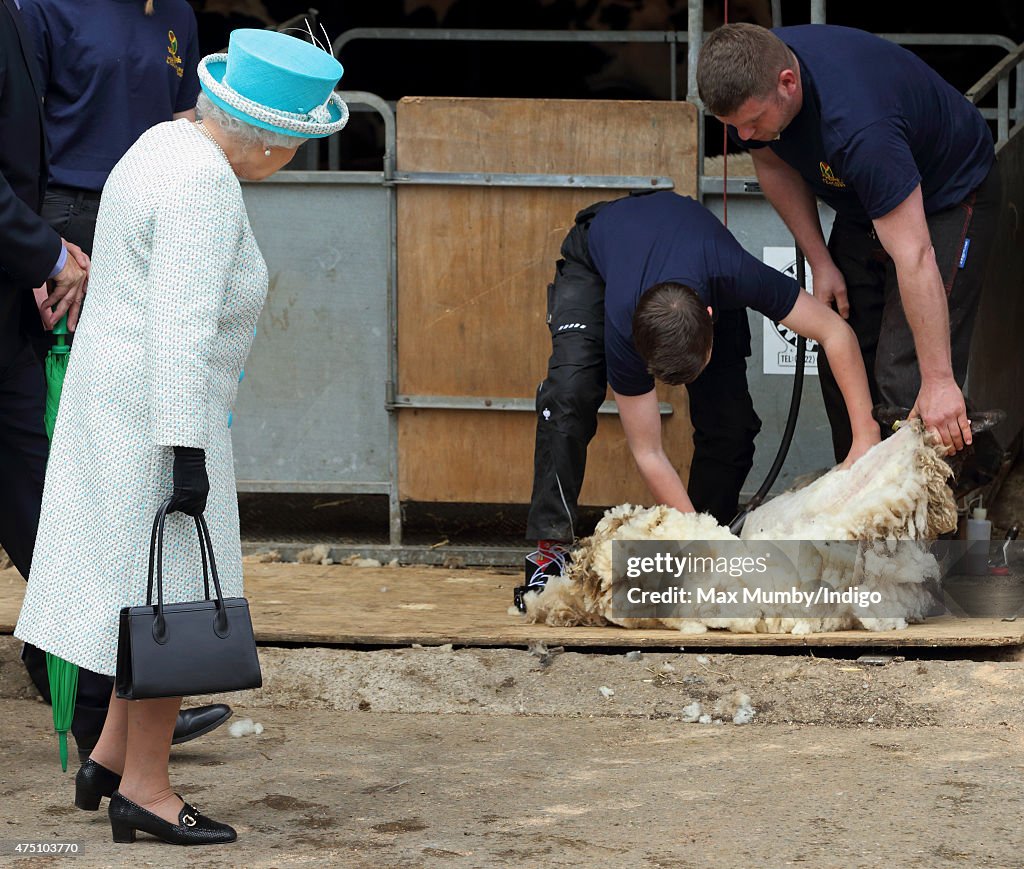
<point>876,121</point>
<point>110,72</point>
<point>641,241</point>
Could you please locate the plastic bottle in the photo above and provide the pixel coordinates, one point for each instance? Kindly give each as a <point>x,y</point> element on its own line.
<point>979,534</point>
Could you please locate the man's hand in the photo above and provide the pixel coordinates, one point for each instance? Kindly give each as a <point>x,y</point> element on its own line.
<point>67,289</point>
<point>860,446</point>
<point>81,257</point>
<point>830,286</point>
<point>940,405</point>
<point>904,234</point>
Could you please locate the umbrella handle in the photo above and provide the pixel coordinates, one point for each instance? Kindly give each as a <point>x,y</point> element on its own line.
<point>61,330</point>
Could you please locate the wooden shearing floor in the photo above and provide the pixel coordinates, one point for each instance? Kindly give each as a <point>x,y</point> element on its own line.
<point>338,605</point>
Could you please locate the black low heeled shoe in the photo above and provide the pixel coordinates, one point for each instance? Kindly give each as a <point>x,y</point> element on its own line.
<point>193,828</point>
<point>93,782</point>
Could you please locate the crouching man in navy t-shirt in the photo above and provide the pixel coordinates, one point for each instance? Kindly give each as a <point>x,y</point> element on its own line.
<point>908,165</point>
<point>649,287</point>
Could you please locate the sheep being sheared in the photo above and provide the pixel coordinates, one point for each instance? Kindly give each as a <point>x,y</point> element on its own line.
<point>896,492</point>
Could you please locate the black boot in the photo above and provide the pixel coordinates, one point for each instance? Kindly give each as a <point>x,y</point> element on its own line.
<point>126,818</point>
<point>93,782</point>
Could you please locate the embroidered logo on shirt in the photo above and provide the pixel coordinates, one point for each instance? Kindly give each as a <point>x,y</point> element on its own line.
<point>173,60</point>
<point>828,176</point>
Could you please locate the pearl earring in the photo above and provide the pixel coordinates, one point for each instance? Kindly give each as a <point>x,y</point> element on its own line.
<point>266,153</point>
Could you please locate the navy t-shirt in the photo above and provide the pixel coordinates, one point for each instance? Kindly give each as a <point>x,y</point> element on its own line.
<point>876,121</point>
<point>641,241</point>
<point>110,73</point>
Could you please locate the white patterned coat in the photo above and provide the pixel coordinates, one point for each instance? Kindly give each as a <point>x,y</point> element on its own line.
<point>177,285</point>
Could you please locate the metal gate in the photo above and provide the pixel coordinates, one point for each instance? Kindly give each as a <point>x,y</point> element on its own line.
<point>316,412</point>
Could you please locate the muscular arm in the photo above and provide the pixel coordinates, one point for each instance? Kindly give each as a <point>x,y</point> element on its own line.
<point>904,234</point>
<point>641,422</point>
<point>813,319</point>
<point>795,203</point>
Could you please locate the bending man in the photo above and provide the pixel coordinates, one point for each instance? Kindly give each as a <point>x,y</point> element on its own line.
<point>908,165</point>
<point>652,286</point>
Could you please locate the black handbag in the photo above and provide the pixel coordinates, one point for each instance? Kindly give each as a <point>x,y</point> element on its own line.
<point>181,649</point>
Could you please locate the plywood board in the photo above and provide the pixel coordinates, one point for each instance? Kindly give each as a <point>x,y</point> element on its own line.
<point>594,137</point>
<point>474,265</point>
<point>339,605</point>
<point>487,458</point>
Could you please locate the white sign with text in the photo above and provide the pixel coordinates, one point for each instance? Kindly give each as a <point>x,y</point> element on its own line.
<point>779,342</point>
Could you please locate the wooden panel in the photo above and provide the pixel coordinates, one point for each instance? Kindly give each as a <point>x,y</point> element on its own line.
<point>474,265</point>
<point>593,137</point>
<point>487,457</point>
<point>305,603</point>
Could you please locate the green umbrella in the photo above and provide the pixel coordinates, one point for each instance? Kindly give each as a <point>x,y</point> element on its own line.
<point>63,675</point>
<point>56,367</point>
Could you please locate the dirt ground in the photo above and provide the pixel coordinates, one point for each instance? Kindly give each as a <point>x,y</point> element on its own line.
<point>434,757</point>
<point>441,757</point>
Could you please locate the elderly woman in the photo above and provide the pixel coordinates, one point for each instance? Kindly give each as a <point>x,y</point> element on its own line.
<point>177,285</point>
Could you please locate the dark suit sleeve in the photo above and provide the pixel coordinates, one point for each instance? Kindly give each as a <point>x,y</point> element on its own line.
<point>29,248</point>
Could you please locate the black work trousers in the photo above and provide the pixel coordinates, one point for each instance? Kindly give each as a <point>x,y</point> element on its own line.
<point>876,311</point>
<point>721,409</point>
<point>72,213</point>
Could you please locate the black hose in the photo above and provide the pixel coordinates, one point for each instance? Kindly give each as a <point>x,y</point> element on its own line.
<point>794,410</point>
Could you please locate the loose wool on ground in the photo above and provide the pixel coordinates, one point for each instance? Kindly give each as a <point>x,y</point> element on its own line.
<point>896,492</point>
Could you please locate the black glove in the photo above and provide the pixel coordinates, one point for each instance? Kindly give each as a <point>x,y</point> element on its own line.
<point>191,485</point>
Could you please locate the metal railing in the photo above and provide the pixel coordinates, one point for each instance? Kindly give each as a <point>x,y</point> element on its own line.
<point>670,38</point>
<point>1006,114</point>
<point>390,179</point>
<point>999,77</point>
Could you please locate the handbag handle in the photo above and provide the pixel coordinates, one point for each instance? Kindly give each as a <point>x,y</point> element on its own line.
<point>156,557</point>
<point>158,522</point>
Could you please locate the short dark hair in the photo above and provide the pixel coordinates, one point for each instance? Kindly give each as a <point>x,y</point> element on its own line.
<point>672,331</point>
<point>738,62</point>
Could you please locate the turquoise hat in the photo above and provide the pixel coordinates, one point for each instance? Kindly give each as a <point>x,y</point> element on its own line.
<point>277,82</point>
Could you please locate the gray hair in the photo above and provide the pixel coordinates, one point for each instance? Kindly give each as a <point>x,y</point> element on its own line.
<point>246,135</point>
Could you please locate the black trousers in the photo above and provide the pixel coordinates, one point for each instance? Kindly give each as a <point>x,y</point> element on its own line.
<point>23,452</point>
<point>876,312</point>
<point>73,215</point>
<point>721,410</point>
